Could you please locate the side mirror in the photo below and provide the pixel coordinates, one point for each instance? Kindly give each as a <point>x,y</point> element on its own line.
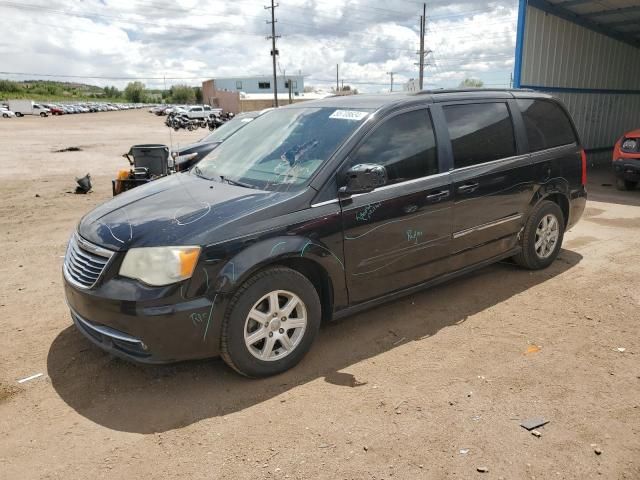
<point>364,178</point>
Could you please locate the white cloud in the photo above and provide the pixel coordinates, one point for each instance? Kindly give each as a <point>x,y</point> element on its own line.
<point>203,39</point>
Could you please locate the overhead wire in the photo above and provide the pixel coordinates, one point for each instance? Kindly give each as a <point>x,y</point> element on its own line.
<point>442,61</point>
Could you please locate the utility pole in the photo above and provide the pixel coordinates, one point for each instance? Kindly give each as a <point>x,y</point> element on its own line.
<point>337,77</point>
<point>391,74</point>
<point>423,25</point>
<point>274,52</point>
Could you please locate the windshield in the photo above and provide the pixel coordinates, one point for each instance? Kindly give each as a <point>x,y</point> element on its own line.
<point>223,132</point>
<point>283,149</point>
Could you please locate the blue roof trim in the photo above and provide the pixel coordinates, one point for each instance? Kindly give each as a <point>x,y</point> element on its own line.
<point>615,91</point>
<point>522,21</point>
<point>583,21</point>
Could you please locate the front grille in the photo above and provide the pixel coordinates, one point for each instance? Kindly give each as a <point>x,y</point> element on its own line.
<point>84,262</point>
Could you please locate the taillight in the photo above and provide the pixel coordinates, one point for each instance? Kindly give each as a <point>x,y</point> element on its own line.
<point>583,155</point>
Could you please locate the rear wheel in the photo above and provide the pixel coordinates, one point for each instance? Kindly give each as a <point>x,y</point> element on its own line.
<point>542,236</point>
<point>5,115</point>
<point>271,323</point>
<point>18,114</point>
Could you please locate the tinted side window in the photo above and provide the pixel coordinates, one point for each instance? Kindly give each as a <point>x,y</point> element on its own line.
<point>404,144</point>
<point>546,124</point>
<point>480,132</point>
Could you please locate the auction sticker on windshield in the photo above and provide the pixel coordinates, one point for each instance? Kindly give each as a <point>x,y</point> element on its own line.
<point>349,115</point>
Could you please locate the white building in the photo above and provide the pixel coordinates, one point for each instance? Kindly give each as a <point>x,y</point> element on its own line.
<point>261,84</point>
<point>413,85</point>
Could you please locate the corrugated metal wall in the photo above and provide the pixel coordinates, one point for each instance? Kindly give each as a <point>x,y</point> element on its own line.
<point>563,55</point>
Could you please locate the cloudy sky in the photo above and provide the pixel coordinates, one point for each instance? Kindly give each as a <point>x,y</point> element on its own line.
<point>190,40</point>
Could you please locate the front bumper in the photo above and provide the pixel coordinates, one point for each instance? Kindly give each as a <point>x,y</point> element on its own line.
<point>627,169</point>
<point>146,325</point>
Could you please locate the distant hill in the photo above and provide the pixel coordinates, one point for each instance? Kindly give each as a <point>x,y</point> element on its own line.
<point>50,90</point>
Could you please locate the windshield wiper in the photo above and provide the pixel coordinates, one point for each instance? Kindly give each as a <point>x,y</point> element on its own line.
<point>237,183</point>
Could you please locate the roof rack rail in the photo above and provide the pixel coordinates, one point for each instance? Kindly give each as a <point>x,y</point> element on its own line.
<point>463,90</point>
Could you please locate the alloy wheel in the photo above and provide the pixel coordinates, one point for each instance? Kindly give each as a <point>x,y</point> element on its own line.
<point>275,325</point>
<point>547,234</point>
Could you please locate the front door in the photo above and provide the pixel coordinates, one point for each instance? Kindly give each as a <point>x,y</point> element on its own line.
<point>492,182</point>
<point>398,235</point>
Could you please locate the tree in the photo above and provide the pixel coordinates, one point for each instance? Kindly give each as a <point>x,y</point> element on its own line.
<point>182,94</point>
<point>471,83</point>
<point>134,92</point>
<point>198,92</point>
<point>111,92</point>
<point>9,86</point>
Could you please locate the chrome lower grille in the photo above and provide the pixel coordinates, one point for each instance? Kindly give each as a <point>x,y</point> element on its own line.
<point>84,262</point>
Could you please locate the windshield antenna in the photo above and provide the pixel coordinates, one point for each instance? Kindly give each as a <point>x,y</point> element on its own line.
<point>170,134</point>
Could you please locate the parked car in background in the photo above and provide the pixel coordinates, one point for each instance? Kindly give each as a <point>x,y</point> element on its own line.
<point>626,160</point>
<point>55,109</point>
<point>197,112</point>
<point>6,113</point>
<point>28,107</point>
<point>318,210</point>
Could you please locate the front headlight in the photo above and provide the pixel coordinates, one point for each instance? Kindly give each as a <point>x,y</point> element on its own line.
<point>159,266</point>
<point>630,145</point>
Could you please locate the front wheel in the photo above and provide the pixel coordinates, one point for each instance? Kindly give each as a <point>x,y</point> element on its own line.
<point>42,114</point>
<point>622,184</point>
<point>542,236</point>
<point>271,323</point>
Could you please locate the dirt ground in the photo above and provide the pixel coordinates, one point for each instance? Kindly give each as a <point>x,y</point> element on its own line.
<point>431,386</point>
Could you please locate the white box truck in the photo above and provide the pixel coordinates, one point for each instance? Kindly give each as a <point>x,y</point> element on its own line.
<point>27,107</point>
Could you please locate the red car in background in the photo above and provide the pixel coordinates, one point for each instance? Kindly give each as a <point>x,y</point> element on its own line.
<point>55,110</point>
<point>626,160</point>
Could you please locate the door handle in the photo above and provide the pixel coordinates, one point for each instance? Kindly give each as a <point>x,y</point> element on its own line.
<point>468,187</point>
<point>437,196</point>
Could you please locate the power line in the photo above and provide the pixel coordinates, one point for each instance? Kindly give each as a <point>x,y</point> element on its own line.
<point>233,29</point>
<point>101,77</point>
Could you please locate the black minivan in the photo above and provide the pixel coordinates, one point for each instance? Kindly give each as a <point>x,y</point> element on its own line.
<point>318,210</point>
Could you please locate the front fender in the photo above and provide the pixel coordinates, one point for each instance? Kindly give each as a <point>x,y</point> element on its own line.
<point>326,255</point>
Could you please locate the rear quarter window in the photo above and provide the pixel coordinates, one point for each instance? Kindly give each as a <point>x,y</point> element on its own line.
<point>547,125</point>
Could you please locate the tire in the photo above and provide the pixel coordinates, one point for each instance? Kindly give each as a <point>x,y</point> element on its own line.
<point>42,114</point>
<point>18,114</point>
<point>536,258</point>
<point>267,356</point>
<point>622,184</point>
<point>5,115</point>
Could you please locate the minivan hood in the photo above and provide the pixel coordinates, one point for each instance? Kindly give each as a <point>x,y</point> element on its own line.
<point>180,209</point>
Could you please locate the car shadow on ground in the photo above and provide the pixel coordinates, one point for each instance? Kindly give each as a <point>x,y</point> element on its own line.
<point>146,399</point>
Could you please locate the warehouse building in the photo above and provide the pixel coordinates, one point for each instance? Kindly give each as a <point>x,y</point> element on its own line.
<point>587,53</point>
<point>245,94</point>
<point>260,84</point>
